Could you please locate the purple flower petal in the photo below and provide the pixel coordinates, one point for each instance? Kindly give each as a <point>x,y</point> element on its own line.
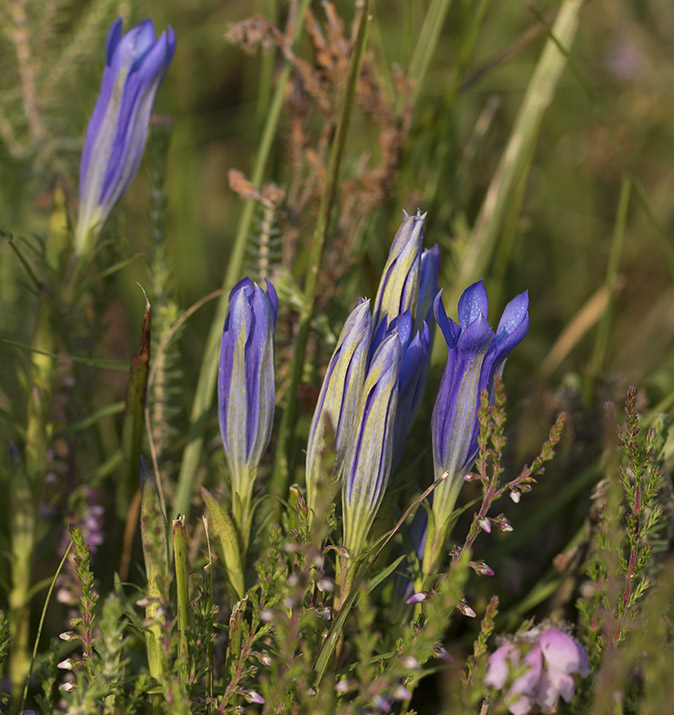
<point>525,684</point>
<point>473,304</point>
<point>499,665</point>
<point>562,652</point>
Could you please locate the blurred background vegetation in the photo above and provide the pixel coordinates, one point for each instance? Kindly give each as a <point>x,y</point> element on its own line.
<point>591,199</point>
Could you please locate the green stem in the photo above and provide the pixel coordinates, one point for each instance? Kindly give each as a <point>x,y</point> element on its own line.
<point>23,543</point>
<point>26,487</point>
<point>282,464</point>
<point>203,397</point>
<point>182,586</point>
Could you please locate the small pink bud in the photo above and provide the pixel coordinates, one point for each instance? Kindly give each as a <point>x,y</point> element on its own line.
<point>290,602</point>
<point>484,524</point>
<point>481,568</point>
<point>419,597</point>
<point>67,636</point>
<point>253,697</point>
<point>325,584</point>
<point>441,653</point>
<point>68,687</point>
<point>264,658</point>
<point>67,664</point>
<point>516,495</point>
<point>402,693</point>
<point>409,661</point>
<point>464,608</point>
<point>382,704</point>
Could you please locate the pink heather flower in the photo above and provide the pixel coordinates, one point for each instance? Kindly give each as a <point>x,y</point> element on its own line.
<point>551,658</point>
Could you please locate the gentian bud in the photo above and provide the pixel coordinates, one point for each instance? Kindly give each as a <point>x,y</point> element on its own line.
<point>246,386</point>
<point>340,394</point>
<point>367,465</point>
<point>411,378</point>
<point>399,286</point>
<point>428,288</point>
<point>476,355</point>
<point>135,65</point>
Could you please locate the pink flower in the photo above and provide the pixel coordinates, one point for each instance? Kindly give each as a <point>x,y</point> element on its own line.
<point>551,658</point>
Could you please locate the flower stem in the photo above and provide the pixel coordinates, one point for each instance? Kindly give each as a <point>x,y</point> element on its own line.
<point>26,487</point>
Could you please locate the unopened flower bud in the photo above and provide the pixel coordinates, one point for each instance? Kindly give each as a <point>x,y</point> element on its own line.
<point>418,597</point>
<point>401,693</point>
<point>325,584</point>
<point>409,661</point>
<point>481,568</point>
<point>343,686</point>
<point>253,697</point>
<point>464,608</point>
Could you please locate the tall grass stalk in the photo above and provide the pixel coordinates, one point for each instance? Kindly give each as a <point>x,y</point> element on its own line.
<point>479,252</point>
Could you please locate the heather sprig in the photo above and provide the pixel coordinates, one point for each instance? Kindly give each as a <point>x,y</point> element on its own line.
<point>622,564</point>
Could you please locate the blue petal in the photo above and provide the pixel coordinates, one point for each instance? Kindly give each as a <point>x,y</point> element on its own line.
<point>514,314</point>
<point>477,337</point>
<point>450,330</point>
<point>473,303</point>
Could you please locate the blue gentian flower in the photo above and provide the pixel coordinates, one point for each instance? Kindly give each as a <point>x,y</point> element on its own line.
<point>135,64</point>
<point>367,464</point>
<point>340,394</point>
<point>411,377</point>
<point>399,285</point>
<point>476,355</point>
<point>246,385</point>
<point>428,288</point>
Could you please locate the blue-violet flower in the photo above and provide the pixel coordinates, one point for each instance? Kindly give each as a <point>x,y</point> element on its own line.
<point>476,355</point>
<point>246,385</point>
<point>135,64</point>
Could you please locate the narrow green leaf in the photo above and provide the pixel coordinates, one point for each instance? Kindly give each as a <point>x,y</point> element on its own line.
<point>228,539</point>
<point>134,418</point>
